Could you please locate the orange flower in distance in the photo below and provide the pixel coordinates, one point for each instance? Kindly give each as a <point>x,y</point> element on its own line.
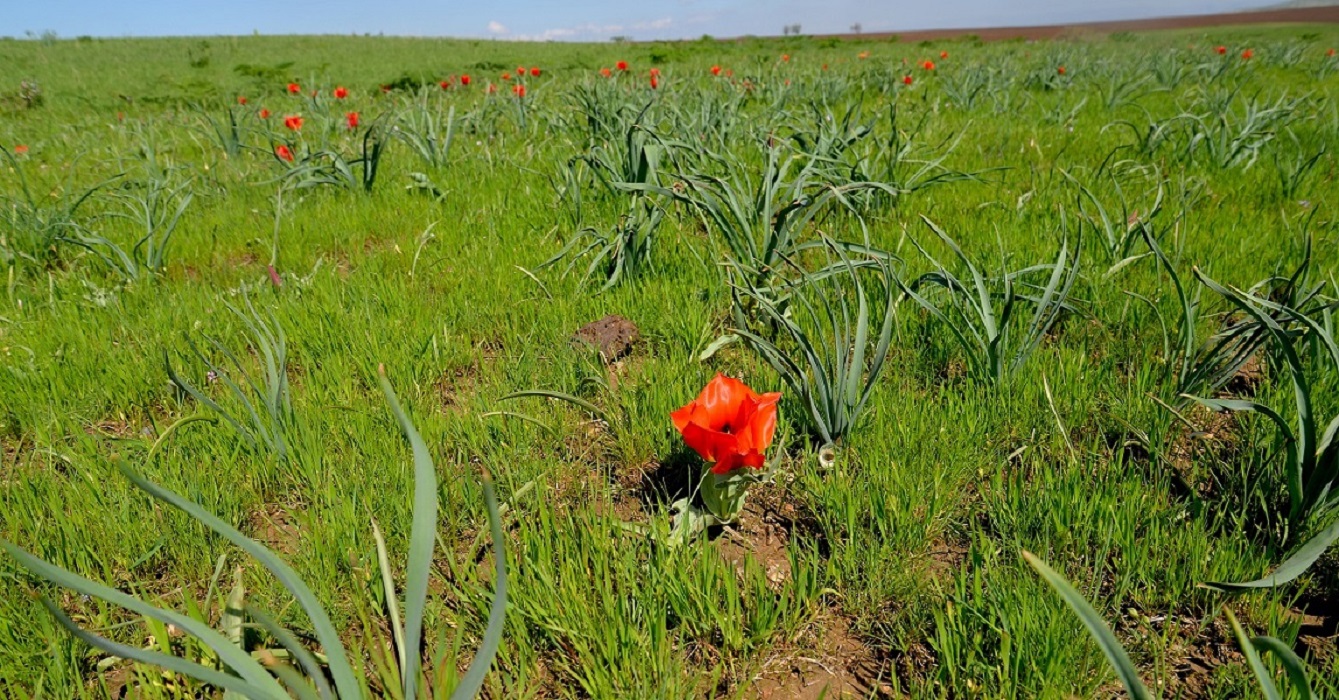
<point>520,70</point>
<point>341,93</point>
<point>606,72</point>
<point>1221,50</point>
<point>351,119</point>
<point>283,153</point>
<point>241,99</point>
<point>1247,55</point>
<point>534,72</point>
<point>655,81</point>
<point>928,65</point>
<point>294,88</point>
<point>907,80</point>
<point>264,113</point>
<point>729,424</point>
<point>862,55</point>
<point>943,55</point>
<point>445,84</point>
<point>20,149</point>
<point>465,80</point>
<point>1330,53</point>
<point>716,70</point>
<point>1060,70</point>
<point>621,65</point>
<point>506,76</point>
<point>518,90</point>
<point>491,88</point>
<point>293,122</point>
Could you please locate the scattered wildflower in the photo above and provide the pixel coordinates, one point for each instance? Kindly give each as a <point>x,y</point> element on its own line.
<point>241,99</point>
<point>534,72</point>
<point>1221,50</point>
<point>283,153</point>
<point>351,119</point>
<point>621,65</point>
<point>294,88</point>
<point>1248,54</point>
<point>264,113</point>
<point>465,80</point>
<point>729,424</point>
<point>716,70</point>
<point>907,79</point>
<point>341,93</point>
<point>293,122</point>
<point>20,149</point>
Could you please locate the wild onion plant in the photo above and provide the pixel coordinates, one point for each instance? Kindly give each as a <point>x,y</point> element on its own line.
<point>35,229</point>
<point>421,128</point>
<point>329,673</point>
<point>333,167</point>
<point>983,316</point>
<point>266,416</point>
<point>1121,229</point>
<point>829,359</point>
<point>1251,647</point>
<point>1311,457</point>
<point>154,205</point>
<point>617,253</point>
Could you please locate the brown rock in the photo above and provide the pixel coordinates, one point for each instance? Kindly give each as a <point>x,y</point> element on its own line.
<point>613,336</point>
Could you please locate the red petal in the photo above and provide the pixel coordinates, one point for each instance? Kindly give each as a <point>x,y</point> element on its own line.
<point>711,445</point>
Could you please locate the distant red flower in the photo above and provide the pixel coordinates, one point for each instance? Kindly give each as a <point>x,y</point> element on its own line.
<point>907,79</point>
<point>928,65</point>
<point>520,70</point>
<point>1247,55</point>
<point>621,65</point>
<point>465,80</point>
<point>534,72</point>
<point>293,122</point>
<point>862,55</point>
<point>264,113</point>
<point>655,72</point>
<point>518,90</point>
<point>655,81</point>
<point>294,88</point>
<point>506,76</point>
<point>1221,50</point>
<point>445,84</point>
<point>351,119</point>
<point>283,153</point>
<point>341,93</point>
<point>1330,53</point>
<point>729,424</point>
<point>715,70</point>
<point>943,54</point>
<point>729,73</point>
<point>241,99</point>
<point>785,58</point>
<point>491,88</point>
<point>606,72</point>
<point>1060,70</point>
<point>20,149</point>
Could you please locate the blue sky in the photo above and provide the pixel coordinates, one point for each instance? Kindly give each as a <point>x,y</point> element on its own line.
<point>575,20</point>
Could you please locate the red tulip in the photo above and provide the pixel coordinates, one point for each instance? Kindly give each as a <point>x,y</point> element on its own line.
<point>1060,70</point>
<point>1222,50</point>
<point>518,90</point>
<point>606,72</point>
<point>241,100</point>
<point>464,80</point>
<point>20,149</point>
<point>655,71</point>
<point>520,70</point>
<point>491,88</point>
<point>351,119</point>
<point>907,80</point>
<point>534,72</point>
<point>445,84</point>
<point>1247,54</point>
<point>862,55</point>
<point>715,70</point>
<point>341,93</point>
<point>655,81</point>
<point>506,76</point>
<point>293,89</point>
<point>785,58</point>
<point>729,424</point>
<point>293,122</point>
<point>1330,53</point>
<point>928,65</point>
<point>264,113</point>
<point>283,153</point>
<point>943,55</point>
<point>621,65</point>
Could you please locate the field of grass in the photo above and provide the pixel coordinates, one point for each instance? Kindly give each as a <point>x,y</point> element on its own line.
<point>1131,204</point>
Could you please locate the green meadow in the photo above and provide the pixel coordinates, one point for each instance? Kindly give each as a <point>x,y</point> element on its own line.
<point>1072,298</point>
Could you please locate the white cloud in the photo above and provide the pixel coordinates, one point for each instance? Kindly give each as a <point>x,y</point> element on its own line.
<point>496,27</point>
<point>662,23</point>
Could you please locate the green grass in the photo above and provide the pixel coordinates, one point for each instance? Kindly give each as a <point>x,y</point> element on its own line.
<point>439,289</point>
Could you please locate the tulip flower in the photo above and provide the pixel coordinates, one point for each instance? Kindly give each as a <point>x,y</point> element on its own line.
<point>518,90</point>
<point>1247,55</point>
<point>351,119</point>
<point>264,113</point>
<point>606,72</point>
<point>520,70</point>
<point>341,93</point>
<point>1060,70</point>
<point>283,153</point>
<point>716,70</point>
<point>1221,50</point>
<point>506,76</point>
<point>1330,53</point>
<point>943,55</point>
<point>928,65</point>
<point>294,89</point>
<point>621,65</point>
<point>655,81</point>
<point>729,424</point>
<point>20,149</point>
<point>445,84</point>
<point>862,55</point>
<point>465,80</point>
<point>534,72</point>
<point>293,122</point>
<point>907,80</point>
<point>241,100</point>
